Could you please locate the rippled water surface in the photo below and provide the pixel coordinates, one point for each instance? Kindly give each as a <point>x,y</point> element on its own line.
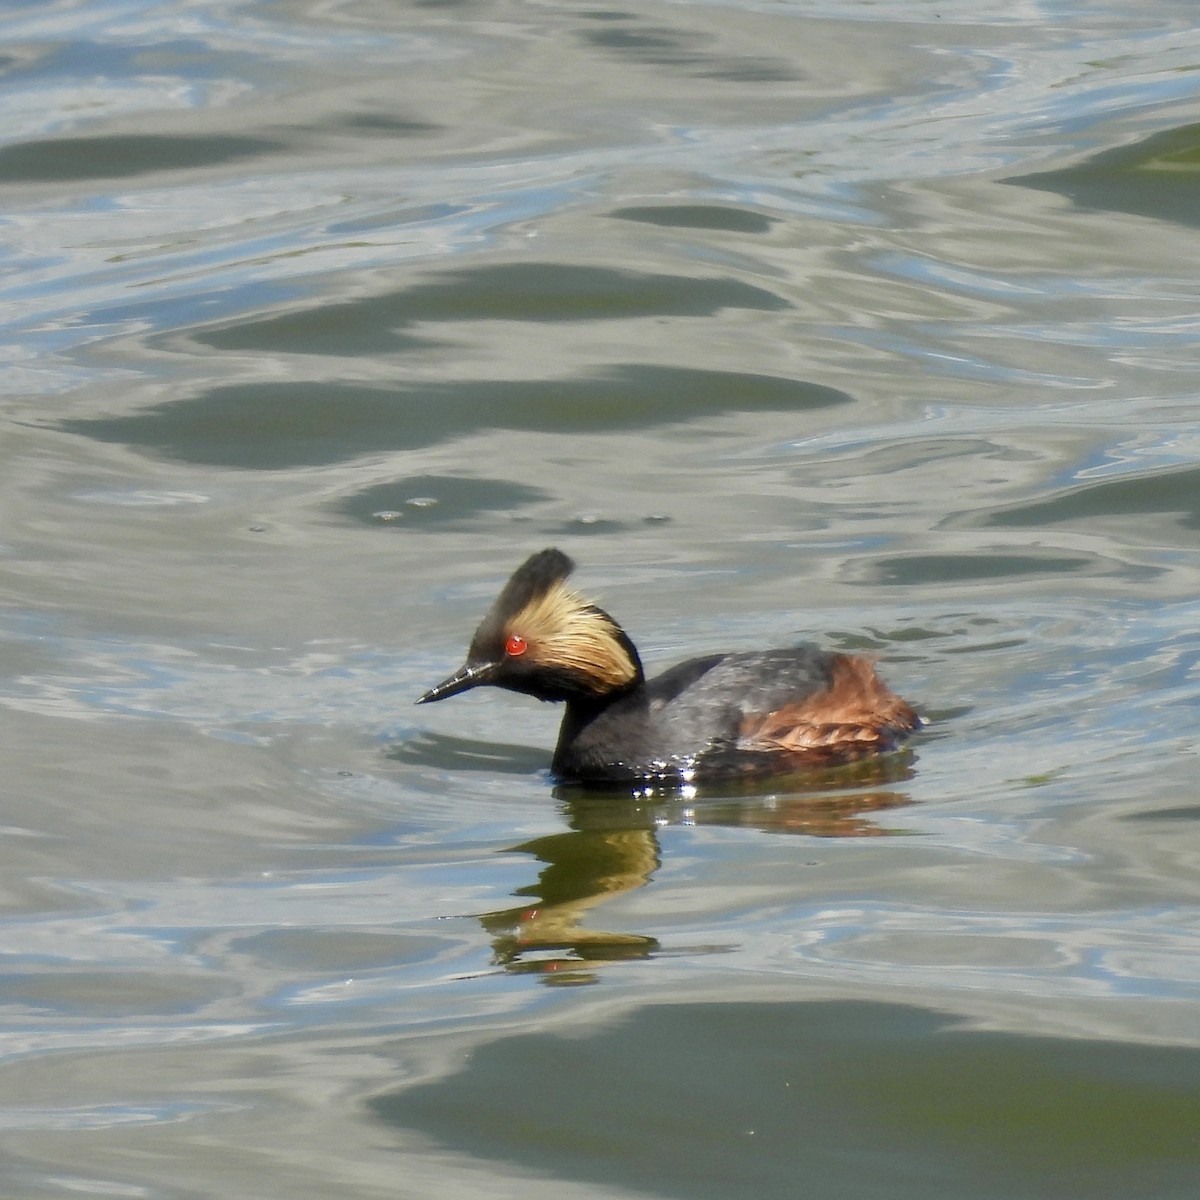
<point>869,323</point>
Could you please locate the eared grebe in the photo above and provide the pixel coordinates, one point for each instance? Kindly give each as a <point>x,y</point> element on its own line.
<point>759,712</point>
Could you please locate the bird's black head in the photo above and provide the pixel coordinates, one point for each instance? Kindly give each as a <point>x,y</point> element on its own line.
<point>544,640</point>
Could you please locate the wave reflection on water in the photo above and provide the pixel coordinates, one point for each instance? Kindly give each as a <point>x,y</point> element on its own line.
<point>862,324</point>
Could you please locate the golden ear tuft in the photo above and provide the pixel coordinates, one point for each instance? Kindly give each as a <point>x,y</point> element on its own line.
<point>564,630</point>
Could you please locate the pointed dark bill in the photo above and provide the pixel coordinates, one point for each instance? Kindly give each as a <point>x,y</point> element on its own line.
<point>467,676</point>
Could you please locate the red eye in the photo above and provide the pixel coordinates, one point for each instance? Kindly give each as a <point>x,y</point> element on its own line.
<point>515,645</point>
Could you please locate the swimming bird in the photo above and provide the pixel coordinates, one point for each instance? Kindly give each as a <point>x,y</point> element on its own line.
<point>746,713</point>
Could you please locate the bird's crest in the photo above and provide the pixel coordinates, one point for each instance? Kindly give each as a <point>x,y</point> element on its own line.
<point>538,618</point>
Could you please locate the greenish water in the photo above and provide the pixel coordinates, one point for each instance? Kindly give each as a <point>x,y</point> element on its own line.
<point>836,1098</point>
<point>872,325</point>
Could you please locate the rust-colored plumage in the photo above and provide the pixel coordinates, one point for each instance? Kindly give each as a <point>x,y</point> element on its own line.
<point>856,714</point>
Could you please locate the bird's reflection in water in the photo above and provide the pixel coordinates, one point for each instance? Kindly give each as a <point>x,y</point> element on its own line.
<point>612,847</point>
<point>583,868</point>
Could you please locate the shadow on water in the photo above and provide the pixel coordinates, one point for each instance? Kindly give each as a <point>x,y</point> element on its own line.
<point>445,501</point>
<point>274,426</point>
<point>1156,177</point>
<point>119,156</point>
<point>840,1100</point>
<point>720,217</point>
<point>1173,494</point>
<point>445,752</point>
<point>544,292</point>
<point>625,36</point>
